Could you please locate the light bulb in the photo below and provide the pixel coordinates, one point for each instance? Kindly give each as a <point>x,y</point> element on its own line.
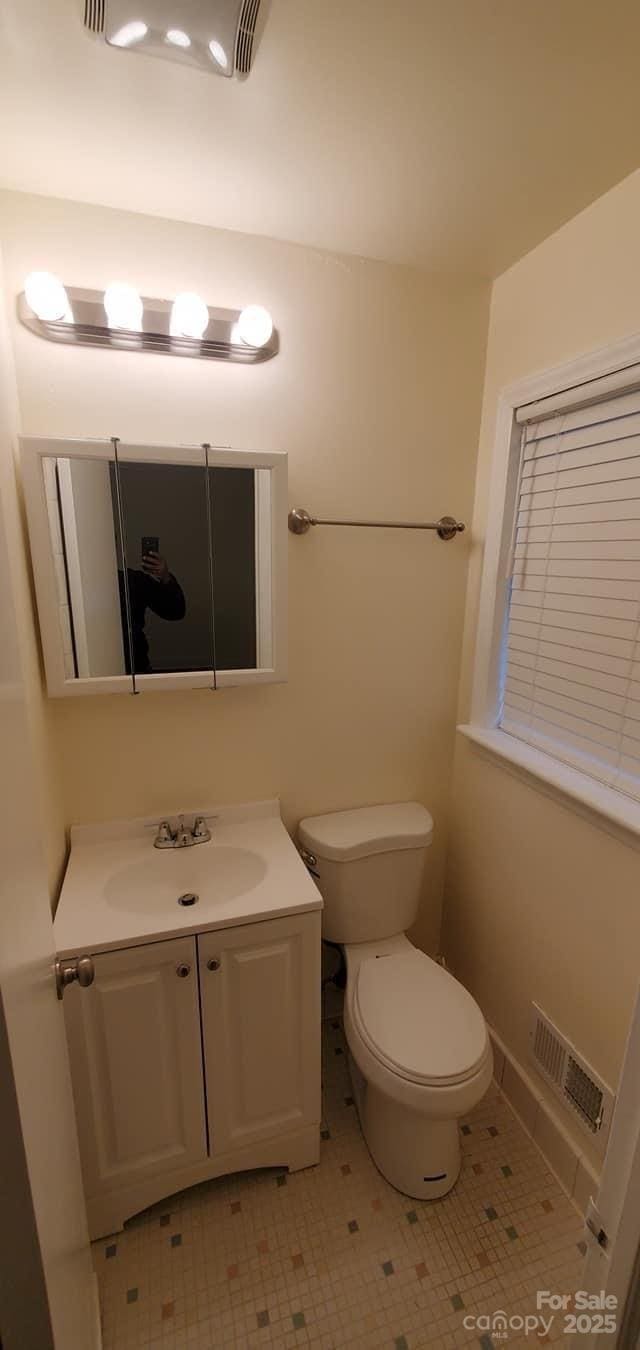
<point>130,33</point>
<point>47,297</point>
<point>255,325</point>
<point>123,306</point>
<point>177,38</point>
<point>218,53</point>
<point>189,316</point>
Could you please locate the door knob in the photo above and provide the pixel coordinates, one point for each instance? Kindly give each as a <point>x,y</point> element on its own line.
<point>78,968</point>
<point>183,970</point>
<point>213,964</point>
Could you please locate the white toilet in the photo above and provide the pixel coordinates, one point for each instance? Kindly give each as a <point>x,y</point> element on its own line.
<point>420,1055</point>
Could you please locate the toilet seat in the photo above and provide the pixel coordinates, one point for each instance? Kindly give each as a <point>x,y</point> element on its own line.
<point>419,1021</point>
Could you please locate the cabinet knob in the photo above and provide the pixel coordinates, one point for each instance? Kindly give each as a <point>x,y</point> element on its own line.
<point>213,964</point>
<point>78,968</point>
<point>183,970</point>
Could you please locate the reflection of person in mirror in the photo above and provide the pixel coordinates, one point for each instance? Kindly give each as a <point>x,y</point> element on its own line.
<point>155,588</point>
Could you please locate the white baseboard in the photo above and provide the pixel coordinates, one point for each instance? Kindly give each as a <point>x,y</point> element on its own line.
<point>573,1169</point>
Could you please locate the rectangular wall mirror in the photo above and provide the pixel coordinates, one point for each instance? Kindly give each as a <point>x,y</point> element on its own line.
<point>157,567</point>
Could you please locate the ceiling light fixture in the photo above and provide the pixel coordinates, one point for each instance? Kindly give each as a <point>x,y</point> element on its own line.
<point>123,306</point>
<point>255,326</point>
<point>47,297</point>
<point>221,37</point>
<point>177,38</point>
<point>218,53</point>
<point>129,34</point>
<point>189,316</point>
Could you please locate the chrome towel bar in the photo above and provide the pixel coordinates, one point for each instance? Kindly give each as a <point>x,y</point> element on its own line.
<point>446,528</point>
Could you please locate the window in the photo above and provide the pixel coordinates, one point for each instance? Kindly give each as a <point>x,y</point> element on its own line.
<point>557,677</point>
<point>571,671</point>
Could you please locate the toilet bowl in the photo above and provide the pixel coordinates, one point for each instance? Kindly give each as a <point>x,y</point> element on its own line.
<point>422,1058</point>
<point>419,1052</point>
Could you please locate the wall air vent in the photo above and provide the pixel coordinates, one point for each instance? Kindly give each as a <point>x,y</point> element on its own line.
<point>548,1051</point>
<point>573,1080</point>
<point>94,15</point>
<point>584,1094</point>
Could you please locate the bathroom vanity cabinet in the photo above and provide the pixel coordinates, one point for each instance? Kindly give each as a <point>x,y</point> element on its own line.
<point>193,1057</point>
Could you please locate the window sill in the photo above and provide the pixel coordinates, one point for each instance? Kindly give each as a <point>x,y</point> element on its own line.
<point>601,805</point>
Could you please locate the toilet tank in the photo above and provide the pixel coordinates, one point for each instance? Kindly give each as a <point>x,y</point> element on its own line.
<point>369,865</point>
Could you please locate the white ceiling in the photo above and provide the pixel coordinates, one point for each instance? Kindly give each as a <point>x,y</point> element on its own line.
<point>453,134</point>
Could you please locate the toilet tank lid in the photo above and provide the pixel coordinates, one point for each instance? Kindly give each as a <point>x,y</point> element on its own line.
<point>344,835</point>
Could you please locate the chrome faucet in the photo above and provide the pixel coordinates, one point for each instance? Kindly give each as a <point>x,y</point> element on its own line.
<point>182,836</point>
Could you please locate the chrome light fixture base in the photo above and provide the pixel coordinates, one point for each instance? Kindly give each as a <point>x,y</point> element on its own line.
<point>88,327</point>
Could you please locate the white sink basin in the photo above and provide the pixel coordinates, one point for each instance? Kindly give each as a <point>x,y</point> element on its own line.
<point>214,872</point>
<point>120,890</point>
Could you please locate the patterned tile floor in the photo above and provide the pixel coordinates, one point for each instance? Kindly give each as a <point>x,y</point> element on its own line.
<point>333,1257</point>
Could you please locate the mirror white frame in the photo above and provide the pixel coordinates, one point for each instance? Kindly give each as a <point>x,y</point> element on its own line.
<point>43,524</point>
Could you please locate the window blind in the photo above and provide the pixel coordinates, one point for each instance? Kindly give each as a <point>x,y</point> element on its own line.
<point>570,680</point>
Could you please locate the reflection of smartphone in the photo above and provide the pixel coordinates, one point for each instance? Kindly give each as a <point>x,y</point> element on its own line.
<point>150,544</point>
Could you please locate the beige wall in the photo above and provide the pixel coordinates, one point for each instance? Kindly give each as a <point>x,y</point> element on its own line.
<point>540,903</point>
<point>47,808</point>
<point>375,395</point>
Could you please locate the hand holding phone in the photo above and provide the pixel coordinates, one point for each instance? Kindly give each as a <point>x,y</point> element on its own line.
<point>152,561</point>
<point>150,543</point>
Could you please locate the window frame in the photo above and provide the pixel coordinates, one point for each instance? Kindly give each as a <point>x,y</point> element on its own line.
<point>613,809</point>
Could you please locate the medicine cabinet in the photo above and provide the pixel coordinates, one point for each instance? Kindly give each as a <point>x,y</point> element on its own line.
<point>157,567</point>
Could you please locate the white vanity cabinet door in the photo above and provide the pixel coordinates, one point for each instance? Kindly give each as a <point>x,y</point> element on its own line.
<point>260,1001</point>
<point>134,1039</point>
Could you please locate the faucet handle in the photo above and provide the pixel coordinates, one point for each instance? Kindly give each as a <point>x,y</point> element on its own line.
<point>164,831</point>
<point>200,830</point>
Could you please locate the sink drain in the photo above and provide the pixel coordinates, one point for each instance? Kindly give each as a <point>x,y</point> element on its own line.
<point>189,898</point>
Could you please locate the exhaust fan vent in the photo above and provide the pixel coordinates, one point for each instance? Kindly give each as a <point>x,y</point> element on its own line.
<point>571,1077</point>
<point>246,35</point>
<point>94,15</point>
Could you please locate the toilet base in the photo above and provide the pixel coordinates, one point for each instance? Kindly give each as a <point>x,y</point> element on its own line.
<point>419,1156</point>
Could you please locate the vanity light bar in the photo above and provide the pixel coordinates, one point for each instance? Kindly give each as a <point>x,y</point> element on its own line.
<point>96,319</point>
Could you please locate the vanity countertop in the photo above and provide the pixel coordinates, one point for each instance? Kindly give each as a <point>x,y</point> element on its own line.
<point>120,891</point>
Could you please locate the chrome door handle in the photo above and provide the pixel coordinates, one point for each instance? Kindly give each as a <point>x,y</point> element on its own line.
<point>183,969</point>
<point>213,964</point>
<point>80,968</point>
